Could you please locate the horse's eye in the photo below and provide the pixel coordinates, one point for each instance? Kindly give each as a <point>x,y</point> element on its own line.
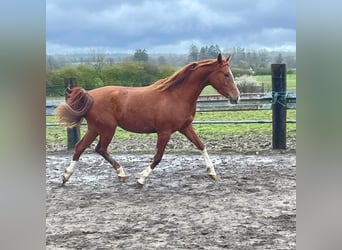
<point>226,75</point>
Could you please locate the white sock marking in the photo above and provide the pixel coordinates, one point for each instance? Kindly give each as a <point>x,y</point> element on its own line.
<point>209,164</point>
<point>70,170</point>
<point>120,171</point>
<point>144,174</point>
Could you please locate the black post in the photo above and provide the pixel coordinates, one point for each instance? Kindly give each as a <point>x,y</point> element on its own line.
<point>73,134</point>
<point>279,106</point>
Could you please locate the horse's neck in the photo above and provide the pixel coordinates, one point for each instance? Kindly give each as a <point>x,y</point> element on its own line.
<point>193,86</point>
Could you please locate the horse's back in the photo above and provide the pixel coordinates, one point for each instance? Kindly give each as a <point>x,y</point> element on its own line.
<point>122,106</point>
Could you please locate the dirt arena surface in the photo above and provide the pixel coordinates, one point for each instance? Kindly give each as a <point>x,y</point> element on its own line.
<point>251,206</point>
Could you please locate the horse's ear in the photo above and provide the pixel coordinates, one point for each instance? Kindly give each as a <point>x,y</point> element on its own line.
<point>219,58</point>
<point>228,58</point>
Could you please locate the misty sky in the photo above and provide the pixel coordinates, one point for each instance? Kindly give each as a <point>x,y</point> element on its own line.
<point>165,26</point>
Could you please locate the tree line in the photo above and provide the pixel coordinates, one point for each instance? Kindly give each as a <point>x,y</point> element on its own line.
<point>140,69</point>
<point>257,60</point>
<point>128,73</point>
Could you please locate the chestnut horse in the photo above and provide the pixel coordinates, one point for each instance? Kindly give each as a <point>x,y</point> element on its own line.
<point>166,106</point>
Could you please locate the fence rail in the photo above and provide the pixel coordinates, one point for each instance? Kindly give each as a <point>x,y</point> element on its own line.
<point>216,103</point>
<point>279,100</point>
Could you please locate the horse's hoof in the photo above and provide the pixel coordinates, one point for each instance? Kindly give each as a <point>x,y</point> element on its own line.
<point>122,178</point>
<point>64,180</point>
<point>140,185</point>
<point>213,177</point>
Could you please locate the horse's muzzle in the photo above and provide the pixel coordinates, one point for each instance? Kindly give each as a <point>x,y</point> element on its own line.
<point>234,100</point>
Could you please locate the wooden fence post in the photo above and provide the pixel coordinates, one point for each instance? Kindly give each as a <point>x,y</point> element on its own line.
<point>73,134</point>
<point>279,106</point>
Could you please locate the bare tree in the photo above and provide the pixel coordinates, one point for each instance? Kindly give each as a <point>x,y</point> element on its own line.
<point>98,60</point>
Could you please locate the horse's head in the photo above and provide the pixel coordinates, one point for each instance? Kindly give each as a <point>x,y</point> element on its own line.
<point>222,80</point>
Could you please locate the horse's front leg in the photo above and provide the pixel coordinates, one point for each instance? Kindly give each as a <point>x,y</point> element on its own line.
<point>163,139</point>
<point>189,132</point>
<point>210,167</point>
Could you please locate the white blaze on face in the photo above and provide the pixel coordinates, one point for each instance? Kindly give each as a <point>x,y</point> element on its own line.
<point>232,76</point>
<point>231,73</point>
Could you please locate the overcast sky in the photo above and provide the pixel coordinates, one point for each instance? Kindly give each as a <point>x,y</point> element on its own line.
<point>168,26</point>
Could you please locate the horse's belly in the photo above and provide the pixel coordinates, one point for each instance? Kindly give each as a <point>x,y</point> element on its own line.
<point>137,127</point>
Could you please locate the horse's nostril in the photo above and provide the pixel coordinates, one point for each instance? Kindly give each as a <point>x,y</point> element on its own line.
<point>234,100</point>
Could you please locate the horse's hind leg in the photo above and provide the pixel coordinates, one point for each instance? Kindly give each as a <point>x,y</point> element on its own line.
<point>101,148</point>
<point>80,146</point>
<point>189,132</point>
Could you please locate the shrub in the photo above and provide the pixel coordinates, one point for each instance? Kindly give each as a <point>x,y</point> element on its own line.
<point>248,84</point>
<point>240,72</point>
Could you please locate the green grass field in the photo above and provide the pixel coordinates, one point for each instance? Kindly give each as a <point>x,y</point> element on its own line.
<point>57,134</point>
<point>267,80</point>
<point>263,79</point>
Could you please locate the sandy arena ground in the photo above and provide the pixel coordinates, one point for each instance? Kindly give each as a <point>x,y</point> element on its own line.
<point>251,206</point>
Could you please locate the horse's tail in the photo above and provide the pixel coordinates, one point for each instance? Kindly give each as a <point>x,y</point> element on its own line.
<point>71,112</point>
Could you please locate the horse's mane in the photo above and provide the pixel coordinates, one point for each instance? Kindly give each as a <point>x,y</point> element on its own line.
<point>180,75</point>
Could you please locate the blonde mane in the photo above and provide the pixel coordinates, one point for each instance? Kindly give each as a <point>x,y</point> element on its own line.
<point>180,75</point>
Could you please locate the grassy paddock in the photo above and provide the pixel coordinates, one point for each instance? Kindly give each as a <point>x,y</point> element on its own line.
<point>239,129</point>
<point>264,79</point>
<point>267,81</point>
<point>214,132</point>
<point>57,134</point>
